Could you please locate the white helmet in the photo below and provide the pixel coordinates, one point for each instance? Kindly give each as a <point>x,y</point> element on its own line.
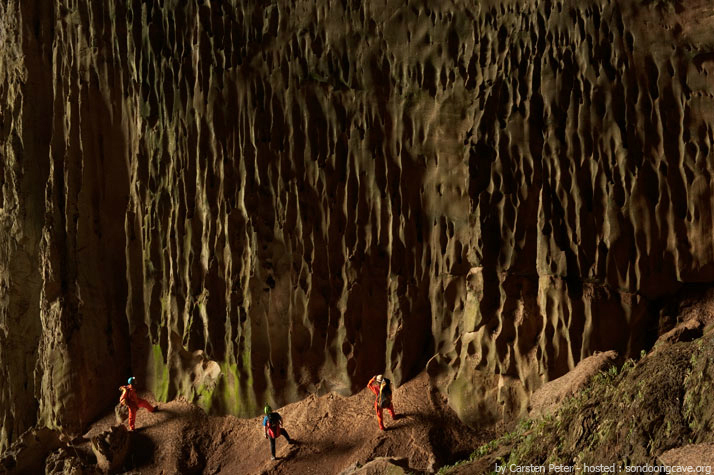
<point>379,379</point>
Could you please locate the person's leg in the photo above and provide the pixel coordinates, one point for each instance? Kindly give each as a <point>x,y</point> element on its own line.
<point>272,447</point>
<point>379,415</point>
<point>391,410</point>
<point>132,417</point>
<point>146,405</point>
<point>286,435</point>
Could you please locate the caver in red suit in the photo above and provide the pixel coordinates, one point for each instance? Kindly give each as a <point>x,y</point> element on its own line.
<point>382,388</point>
<point>131,400</point>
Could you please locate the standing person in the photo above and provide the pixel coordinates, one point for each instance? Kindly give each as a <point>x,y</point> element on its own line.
<point>273,428</point>
<point>382,388</point>
<point>131,400</point>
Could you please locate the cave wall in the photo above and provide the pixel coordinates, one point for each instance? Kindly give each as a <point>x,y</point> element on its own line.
<point>63,339</point>
<point>243,202</point>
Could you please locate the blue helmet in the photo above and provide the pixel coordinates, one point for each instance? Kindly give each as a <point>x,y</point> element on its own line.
<point>131,380</point>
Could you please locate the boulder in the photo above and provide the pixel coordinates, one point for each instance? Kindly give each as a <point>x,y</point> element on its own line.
<point>111,447</point>
<point>65,461</point>
<point>698,457</point>
<point>547,398</point>
<point>121,413</point>
<point>28,453</point>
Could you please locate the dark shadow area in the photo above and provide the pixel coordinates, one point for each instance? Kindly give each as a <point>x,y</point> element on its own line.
<point>456,457</point>
<point>441,438</point>
<point>164,416</point>
<point>141,450</point>
<point>408,419</point>
<point>317,452</point>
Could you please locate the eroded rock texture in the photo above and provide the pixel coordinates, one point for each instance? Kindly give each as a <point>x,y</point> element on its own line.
<point>250,201</point>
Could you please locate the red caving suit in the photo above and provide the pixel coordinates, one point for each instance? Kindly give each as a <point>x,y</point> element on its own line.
<point>375,389</point>
<point>130,399</point>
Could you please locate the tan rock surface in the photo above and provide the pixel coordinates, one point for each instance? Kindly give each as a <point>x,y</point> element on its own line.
<point>378,466</point>
<point>696,457</point>
<point>547,398</point>
<point>334,434</point>
<point>241,201</point>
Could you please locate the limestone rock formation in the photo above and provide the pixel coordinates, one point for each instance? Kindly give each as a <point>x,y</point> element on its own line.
<point>121,413</point>
<point>241,201</point>
<point>64,462</point>
<point>27,454</point>
<point>548,398</point>
<point>111,448</point>
<point>657,410</point>
<point>693,455</point>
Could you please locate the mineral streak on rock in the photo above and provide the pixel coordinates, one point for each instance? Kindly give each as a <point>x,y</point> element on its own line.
<point>250,201</point>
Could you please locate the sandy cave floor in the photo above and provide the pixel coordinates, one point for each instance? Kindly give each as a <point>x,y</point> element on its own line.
<point>333,432</point>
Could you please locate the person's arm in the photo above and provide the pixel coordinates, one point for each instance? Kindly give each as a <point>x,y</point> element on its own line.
<point>371,387</point>
<point>265,426</point>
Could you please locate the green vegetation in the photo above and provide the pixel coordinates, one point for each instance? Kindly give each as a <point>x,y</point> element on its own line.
<point>698,400</point>
<point>161,375</point>
<point>507,439</point>
<point>204,397</point>
<point>629,414</point>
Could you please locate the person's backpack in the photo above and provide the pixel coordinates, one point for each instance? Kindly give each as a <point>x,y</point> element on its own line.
<point>273,424</point>
<point>122,398</point>
<point>385,393</point>
<point>125,399</point>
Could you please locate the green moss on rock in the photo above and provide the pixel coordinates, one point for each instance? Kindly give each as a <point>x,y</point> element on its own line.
<point>160,379</point>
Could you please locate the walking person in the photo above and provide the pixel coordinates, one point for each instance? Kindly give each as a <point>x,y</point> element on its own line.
<point>133,402</point>
<point>382,389</point>
<point>273,428</point>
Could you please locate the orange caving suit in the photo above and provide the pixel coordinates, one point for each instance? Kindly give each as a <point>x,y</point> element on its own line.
<point>375,389</point>
<point>133,402</point>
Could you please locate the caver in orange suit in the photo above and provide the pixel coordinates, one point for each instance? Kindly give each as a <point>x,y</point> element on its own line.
<point>382,401</point>
<point>131,400</point>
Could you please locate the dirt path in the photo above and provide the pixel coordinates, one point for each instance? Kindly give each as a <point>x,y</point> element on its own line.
<point>333,433</point>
